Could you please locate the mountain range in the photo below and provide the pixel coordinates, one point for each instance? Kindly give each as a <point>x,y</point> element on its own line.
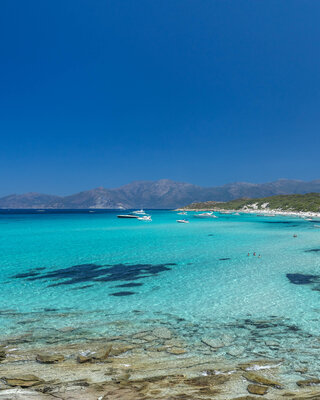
<point>163,193</point>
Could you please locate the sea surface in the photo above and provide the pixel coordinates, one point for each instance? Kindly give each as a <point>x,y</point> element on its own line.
<point>108,276</point>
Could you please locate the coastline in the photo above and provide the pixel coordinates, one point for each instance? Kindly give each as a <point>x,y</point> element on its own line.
<point>266,212</point>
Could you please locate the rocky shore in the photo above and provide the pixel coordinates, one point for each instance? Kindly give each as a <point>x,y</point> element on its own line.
<point>155,363</point>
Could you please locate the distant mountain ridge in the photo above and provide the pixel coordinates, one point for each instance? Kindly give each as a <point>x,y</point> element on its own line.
<point>163,193</point>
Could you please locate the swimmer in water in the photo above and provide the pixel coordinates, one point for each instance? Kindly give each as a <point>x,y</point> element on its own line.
<point>248,254</point>
<point>254,253</point>
<point>259,256</point>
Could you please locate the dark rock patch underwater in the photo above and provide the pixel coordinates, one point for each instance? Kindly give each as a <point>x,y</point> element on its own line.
<point>303,279</point>
<point>312,251</point>
<point>98,273</point>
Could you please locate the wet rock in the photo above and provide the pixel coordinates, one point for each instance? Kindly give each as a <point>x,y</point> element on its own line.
<point>260,379</point>
<point>22,380</point>
<point>174,343</point>
<point>99,356</point>
<point>207,380</point>
<point>49,358</point>
<point>81,359</point>
<point>246,398</point>
<point>2,354</point>
<point>252,365</point>
<point>308,382</point>
<point>119,349</point>
<point>301,370</point>
<point>176,350</point>
<point>162,333</point>
<point>257,389</point>
<point>141,335</point>
<point>213,343</point>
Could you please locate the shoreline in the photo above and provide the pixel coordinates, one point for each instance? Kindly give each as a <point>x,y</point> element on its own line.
<point>145,365</point>
<point>263,212</point>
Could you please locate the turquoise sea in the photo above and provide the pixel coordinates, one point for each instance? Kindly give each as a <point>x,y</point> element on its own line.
<point>107,276</point>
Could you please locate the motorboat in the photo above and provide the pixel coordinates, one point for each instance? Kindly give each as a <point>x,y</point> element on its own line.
<point>128,216</point>
<point>182,213</point>
<point>205,215</point>
<point>182,221</point>
<point>145,218</point>
<point>140,212</point>
<point>236,213</point>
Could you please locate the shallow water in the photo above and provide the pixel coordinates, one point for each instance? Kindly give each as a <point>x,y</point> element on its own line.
<point>107,276</point>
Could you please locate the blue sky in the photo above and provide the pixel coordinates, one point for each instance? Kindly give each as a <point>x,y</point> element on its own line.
<point>101,93</point>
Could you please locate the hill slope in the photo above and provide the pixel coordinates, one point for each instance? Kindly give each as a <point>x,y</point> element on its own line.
<point>309,202</point>
<point>163,193</point>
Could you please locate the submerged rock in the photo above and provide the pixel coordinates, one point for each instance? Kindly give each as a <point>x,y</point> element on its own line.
<point>257,389</point>
<point>49,358</point>
<point>22,380</point>
<point>256,378</point>
<point>162,333</point>
<point>176,350</point>
<point>236,351</point>
<point>213,343</point>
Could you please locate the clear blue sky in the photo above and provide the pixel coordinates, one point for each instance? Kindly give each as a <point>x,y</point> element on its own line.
<point>100,92</point>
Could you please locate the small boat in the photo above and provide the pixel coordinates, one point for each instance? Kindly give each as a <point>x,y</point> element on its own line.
<point>182,213</point>
<point>205,215</point>
<point>145,218</point>
<point>316,226</point>
<point>236,213</point>
<point>182,221</point>
<point>138,212</point>
<point>128,216</point>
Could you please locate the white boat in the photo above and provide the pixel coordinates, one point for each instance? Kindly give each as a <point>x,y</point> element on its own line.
<point>205,215</point>
<point>182,221</point>
<point>138,212</point>
<point>128,216</point>
<point>145,218</point>
<point>182,213</point>
<point>236,213</point>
